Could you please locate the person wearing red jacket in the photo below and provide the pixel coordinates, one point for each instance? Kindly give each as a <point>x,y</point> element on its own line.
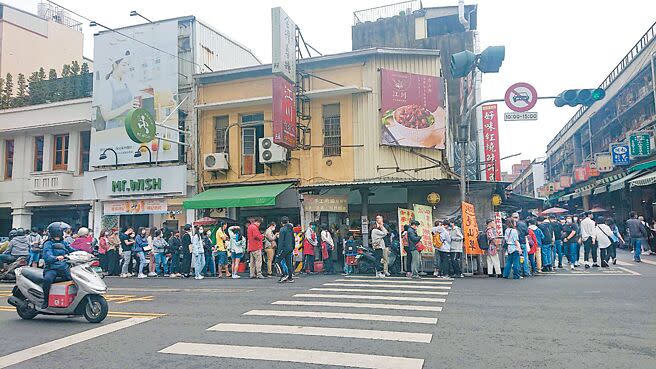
<point>254,248</point>
<point>535,237</point>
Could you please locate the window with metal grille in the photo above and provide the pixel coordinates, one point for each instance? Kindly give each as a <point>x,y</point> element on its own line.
<point>9,158</point>
<point>38,153</point>
<point>221,140</point>
<point>85,147</point>
<point>251,132</point>
<point>332,133</point>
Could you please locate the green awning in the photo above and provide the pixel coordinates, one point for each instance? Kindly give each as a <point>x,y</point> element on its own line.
<point>237,197</point>
<point>641,166</point>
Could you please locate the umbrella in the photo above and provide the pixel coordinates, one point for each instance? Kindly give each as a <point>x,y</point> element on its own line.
<point>205,221</point>
<point>598,209</point>
<point>554,210</point>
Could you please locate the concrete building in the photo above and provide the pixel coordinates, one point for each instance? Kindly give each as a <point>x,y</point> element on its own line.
<point>515,171</point>
<point>530,179</point>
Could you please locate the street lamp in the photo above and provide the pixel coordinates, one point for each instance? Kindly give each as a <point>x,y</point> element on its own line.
<point>103,156</point>
<point>137,154</point>
<point>135,13</point>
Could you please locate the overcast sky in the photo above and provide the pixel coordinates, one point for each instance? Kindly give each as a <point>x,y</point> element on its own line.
<point>552,44</point>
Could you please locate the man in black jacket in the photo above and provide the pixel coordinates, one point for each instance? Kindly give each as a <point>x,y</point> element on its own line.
<point>175,245</point>
<point>413,239</point>
<point>285,251</point>
<point>547,243</point>
<point>522,231</point>
<point>185,268</point>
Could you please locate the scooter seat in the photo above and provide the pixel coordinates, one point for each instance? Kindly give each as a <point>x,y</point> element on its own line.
<point>33,274</point>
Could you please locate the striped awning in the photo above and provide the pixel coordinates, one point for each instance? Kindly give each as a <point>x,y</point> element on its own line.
<point>644,180</point>
<point>619,184</point>
<point>599,190</point>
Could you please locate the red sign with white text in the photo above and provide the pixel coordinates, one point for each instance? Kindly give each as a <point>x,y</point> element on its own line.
<point>491,143</point>
<point>284,113</point>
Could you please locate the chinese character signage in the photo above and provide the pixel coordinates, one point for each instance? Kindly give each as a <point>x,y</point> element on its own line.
<point>284,113</point>
<point>620,154</point>
<point>405,217</point>
<point>565,181</point>
<point>581,174</point>
<point>335,203</point>
<point>424,215</point>
<point>151,206</point>
<point>604,162</point>
<point>491,143</point>
<point>498,223</point>
<point>470,230</point>
<point>284,44</point>
<point>413,110</point>
<point>640,144</point>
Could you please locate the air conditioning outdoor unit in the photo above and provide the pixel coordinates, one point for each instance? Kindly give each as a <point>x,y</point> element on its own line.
<point>271,152</point>
<point>216,161</point>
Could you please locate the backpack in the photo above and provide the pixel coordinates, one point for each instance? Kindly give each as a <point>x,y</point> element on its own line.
<point>437,241</point>
<point>483,242</point>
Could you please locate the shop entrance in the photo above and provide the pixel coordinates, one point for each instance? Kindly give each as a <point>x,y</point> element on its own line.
<point>75,215</point>
<point>135,221</point>
<point>5,221</point>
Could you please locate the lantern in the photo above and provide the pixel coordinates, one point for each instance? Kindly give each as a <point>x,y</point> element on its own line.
<point>433,198</point>
<point>496,200</point>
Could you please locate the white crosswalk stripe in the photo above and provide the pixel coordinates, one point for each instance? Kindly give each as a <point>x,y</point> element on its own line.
<point>368,290</point>
<point>644,260</point>
<point>358,305</point>
<point>322,331</point>
<point>348,316</point>
<point>370,297</point>
<point>386,278</point>
<point>387,286</point>
<point>406,281</point>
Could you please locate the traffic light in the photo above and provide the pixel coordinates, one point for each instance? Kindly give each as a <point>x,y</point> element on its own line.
<point>462,63</point>
<point>579,97</point>
<point>491,58</point>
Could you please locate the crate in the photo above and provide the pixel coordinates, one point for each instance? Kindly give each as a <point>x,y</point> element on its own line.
<point>62,294</point>
<point>351,260</point>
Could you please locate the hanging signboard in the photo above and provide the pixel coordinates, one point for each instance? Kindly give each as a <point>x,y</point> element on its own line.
<point>498,223</point>
<point>620,154</point>
<point>491,142</point>
<point>284,113</point>
<point>405,216</point>
<point>640,144</point>
<point>470,230</point>
<point>284,44</point>
<point>604,162</point>
<point>580,174</point>
<point>335,203</point>
<point>565,181</point>
<point>424,215</point>
<point>128,207</point>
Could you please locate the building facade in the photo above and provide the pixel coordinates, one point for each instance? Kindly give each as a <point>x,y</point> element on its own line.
<point>530,180</point>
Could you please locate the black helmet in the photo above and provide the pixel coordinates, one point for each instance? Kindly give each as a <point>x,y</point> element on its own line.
<point>12,234</point>
<point>20,232</point>
<point>56,229</point>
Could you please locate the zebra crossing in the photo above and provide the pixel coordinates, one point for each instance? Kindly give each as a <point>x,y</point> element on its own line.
<point>345,309</point>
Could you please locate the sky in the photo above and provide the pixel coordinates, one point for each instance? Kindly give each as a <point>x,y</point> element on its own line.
<point>552,44</point>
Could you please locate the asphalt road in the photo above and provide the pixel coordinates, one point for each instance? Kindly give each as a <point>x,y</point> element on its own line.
<point>588,319</point>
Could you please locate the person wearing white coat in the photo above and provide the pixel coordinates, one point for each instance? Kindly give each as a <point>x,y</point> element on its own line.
<point>603,234</point>
<point>198,252</point>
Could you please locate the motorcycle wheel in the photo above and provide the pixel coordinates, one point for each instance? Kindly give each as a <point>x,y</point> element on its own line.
<point>95,309</point>
<point>26,312</point>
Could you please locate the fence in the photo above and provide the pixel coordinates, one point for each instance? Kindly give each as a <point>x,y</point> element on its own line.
<point>386,11</point>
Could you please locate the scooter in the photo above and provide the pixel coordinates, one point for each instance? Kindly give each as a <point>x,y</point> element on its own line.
<point>365,260</point>
<point>394,259</point>
<point>8,275</point>
<point>82,297</point>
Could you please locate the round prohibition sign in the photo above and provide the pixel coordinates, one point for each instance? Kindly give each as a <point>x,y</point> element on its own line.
<point>521,97</point>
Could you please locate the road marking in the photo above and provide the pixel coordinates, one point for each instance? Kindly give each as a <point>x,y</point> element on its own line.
<point>294,356</point>
<point>378,278</point>
<point>369,297</point>
<point>112,314</point>
<point>381,280</point>
<point>381,291</point>
<point>624,263</point>
<point>349,316</point>
<point>358,305</point>
<point>122,299</point>
<point>36,351</point>
<point>137,289</point>
<point>387,286</point>
<point>648,261</point>
<point>324,331</point>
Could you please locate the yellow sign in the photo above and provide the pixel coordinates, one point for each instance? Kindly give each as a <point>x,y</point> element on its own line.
<point>335,204</point>
<point>433,198</point>
<point>405,217</point>
<point>424,215</point>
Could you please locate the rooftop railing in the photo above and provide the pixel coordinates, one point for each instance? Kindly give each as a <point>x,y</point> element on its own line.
<point>386,11</point>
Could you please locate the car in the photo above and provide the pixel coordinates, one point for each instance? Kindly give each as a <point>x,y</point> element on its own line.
<point>520,97</point>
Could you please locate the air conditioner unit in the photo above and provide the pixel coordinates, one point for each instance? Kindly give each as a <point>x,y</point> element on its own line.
<point>216,161</point>
<point>271,152</point>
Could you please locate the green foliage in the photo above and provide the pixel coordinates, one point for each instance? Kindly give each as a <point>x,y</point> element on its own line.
<point>52,74</point>
<point>75,82</point>
<point>21,91</point>
<point>85,68</point>
<point>75,68</point>
<point>8,92</point>
<point>42,74</point>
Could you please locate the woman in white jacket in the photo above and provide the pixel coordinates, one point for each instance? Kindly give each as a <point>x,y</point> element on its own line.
<point>198,252</point>
<point>327,240</point>
<point>603,235</point>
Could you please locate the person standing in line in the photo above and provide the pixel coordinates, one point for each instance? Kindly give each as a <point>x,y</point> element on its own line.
<point>113,245</point>
<point>617,239</point>
<point>198,251</point>
<point>604,236</point>
<point>255,238</point>
<point>329,244</point>
<point>535,240</point>
<point>35,241</point>
<point>126,250</point>
<point>559,249</point>
<point>237,248</point>
<point>309,242</point>
<point>492,253</point>
<point>522,232</point>
<point>175,247</point>
<point>645,248</point>
<point>413,240</point>
<point>103,247</point>
<point>209,269</point>
<point>570,243</point>
<point>149,252</point>
<point>159,251</point>
<point>589,240</point>
<point>221,250</point>
<point>378,234</point>
<point>634,228</point>
<point>442,253</point>
<point>549,230</point>
<point>286,242</point>
<point>513,247</point>
<point>270,237</point>
<point>455,254</point>
<point>140,245</point>
<point>185,268</point>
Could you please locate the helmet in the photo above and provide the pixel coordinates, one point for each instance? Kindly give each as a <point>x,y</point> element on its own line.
<point>56,229</point>
<point>12,234</point>
<point>20,232</point>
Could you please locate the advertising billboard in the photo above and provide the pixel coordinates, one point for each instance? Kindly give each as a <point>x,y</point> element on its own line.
<point>135,76</point>
<point>284,113</point>
<point>491,142</point>
<point>413,110</point>
<point>284,44</point>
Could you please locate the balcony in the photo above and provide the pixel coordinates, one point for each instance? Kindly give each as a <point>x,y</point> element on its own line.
<point>44,183</point>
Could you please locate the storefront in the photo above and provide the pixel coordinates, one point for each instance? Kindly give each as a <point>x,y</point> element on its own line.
<point>75,215</point>
<point>138,197</point>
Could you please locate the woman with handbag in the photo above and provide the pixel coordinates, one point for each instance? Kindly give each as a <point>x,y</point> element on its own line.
<point>328,245</point>
<point>309,243</point>
<point>511,238</point>
<point>603,235</point>
<point>492,252</point>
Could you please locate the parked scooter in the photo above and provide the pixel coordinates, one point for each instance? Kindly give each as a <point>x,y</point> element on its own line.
<point>394,259</point>
<point>366,260</point>
<point>82,297</point>
<point>8,275</point>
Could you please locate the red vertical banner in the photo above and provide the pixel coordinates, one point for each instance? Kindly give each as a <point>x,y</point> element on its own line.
<point>491,142</point>
<point>284,113</point>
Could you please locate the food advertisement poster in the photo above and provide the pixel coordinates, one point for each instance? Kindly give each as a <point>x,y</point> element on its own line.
<point>491,142</point>
<point>424,214</point>
<point>470,230</point>
<point>413,111</point>
<point>130,75</point>
<point>284,113</point>
<point>150,206</point>
<point>405,217</point>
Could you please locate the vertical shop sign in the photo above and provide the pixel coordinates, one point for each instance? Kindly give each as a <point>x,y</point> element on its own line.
<point>424,215</point>
<point>491,142</point>
<point>470,230</point>
<point>284,113</point>
<point>405,216</point>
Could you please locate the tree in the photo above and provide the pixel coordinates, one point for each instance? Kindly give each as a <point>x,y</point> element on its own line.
<point>52,74</point>
<point>52,94</point>
<point>85,68</point>
<point>8,91</point>
<point>87,83</point>
<point>35,88</point>
<point>21,91</point>
<point>2,93</point>
<point>75,68</point>
<point>66,85</point>
<point>42,74</point>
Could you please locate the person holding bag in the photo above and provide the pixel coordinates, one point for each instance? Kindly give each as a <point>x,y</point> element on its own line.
<point>603,235</point>
<point>491,248</point>
<point>511,237</point>
<point>328,245</point>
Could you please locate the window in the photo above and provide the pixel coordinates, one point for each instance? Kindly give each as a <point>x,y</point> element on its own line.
<point>250,135</point>
<point>332,133</point>
<point>60,157</point>
<point>38,153</point>
<point>9,158</point>
<point>85,147</point>
<point>221,139</point>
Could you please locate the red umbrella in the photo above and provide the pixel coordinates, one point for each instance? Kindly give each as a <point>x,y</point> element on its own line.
<point>554,210</point>
<point>205,221</point>
<point>598,209</point>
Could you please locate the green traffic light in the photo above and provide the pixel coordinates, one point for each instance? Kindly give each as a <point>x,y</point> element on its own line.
<point>598,94</point>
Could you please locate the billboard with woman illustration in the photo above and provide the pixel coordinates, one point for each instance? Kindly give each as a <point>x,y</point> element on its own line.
<point>134,68</point>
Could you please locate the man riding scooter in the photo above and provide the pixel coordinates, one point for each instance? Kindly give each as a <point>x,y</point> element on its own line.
<point>18,246</point>
<point>53,254</point>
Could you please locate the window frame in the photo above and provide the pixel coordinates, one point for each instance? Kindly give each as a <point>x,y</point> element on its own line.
<point>9,158</point>
<point>258,168</point>
<point>84,152</point>
<point>221,139</point>
<point>38,156</point>
<point>330,125</point>
<point>64,152</point>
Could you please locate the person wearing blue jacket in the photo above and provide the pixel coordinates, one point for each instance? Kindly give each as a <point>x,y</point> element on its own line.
<point>54,251</point>
<point>141,242</point>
